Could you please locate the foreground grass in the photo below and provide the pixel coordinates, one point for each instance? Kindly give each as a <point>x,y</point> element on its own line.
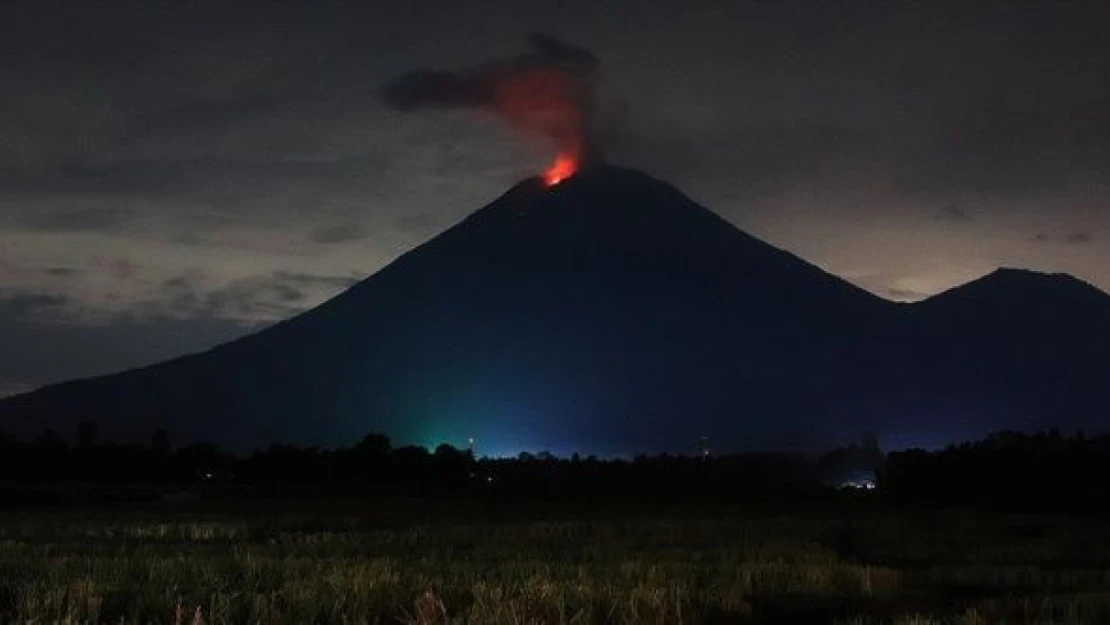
<point>373,565</point>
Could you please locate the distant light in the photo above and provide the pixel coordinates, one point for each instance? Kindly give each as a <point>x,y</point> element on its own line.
<point>856,480</point>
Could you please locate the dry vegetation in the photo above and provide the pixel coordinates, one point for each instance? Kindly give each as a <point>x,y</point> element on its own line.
<point>631,567</point>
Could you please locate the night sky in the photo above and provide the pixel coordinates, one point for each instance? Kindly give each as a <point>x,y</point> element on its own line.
<point>174,175</point>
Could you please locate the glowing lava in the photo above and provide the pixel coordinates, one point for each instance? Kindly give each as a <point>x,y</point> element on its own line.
<point>564,167</point>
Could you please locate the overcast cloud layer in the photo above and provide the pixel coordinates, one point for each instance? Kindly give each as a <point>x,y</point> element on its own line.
<point>175,175</point>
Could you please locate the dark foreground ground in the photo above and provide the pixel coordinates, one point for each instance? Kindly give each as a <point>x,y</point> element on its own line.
<point>198,559</point>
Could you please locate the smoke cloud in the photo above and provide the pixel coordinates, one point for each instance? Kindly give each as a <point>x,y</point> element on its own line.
<point>547,92</point>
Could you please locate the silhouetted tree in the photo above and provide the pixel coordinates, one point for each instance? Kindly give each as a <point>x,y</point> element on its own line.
<point>160,444</point>
<point>49,441</point>
<point>411,454</point>
<point>870,447</point>
<point>87,435</point>
<point>376,445</point>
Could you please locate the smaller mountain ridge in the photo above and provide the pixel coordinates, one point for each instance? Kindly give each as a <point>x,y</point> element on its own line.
<point>1011,286</point>
<point>1024,307</point>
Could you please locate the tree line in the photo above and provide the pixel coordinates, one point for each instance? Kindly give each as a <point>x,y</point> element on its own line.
<point>375,465</point>
<point>1013,470</point>
<point>1045,470</point>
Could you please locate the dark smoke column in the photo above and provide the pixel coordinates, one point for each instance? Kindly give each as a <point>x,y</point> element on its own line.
<point>548,92</point>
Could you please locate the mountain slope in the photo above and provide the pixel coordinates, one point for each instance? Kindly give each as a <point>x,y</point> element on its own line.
<point>607,314</point>
<point>1016,349</point>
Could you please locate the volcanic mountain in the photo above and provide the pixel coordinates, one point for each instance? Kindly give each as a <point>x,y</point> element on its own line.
<point>611,314</point>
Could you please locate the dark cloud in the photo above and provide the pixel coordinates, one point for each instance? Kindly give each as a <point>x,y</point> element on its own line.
<point>32,306</point>
<point>547,91</point>
<point>258,298</point>
<point>954,212</point>
<point>181,296</point>
<point>278,295</point>
<point>419,224</point>
<point>753,159</point>
<point>36,353</point>
<point>123,268</point>
<point>287,294</point>
<point>177,282</point>
<point>84,219</point>
<point>61,272</point>
<point>306,279</point>
<point>158,177</point>
<point>340,233</point>
<point>1072,238</point>
<point>478,87</point>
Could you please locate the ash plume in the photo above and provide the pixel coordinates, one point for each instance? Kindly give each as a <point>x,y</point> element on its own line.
<point>546,92</point>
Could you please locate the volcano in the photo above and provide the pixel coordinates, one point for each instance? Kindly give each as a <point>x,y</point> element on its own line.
<point>611,314</point>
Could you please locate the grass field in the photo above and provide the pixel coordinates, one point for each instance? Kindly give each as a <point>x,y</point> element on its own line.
<point>439,561</point>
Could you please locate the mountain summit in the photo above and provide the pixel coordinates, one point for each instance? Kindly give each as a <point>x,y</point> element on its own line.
<point>608,313</point>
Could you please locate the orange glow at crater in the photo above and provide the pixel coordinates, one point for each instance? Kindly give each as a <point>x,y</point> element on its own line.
<point>564,167</point>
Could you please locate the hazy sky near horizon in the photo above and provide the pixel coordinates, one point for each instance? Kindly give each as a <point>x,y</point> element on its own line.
<point>176,174</point>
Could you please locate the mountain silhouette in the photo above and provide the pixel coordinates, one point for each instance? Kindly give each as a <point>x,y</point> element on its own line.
<point>612,314</point>
<point>1015,349</point>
